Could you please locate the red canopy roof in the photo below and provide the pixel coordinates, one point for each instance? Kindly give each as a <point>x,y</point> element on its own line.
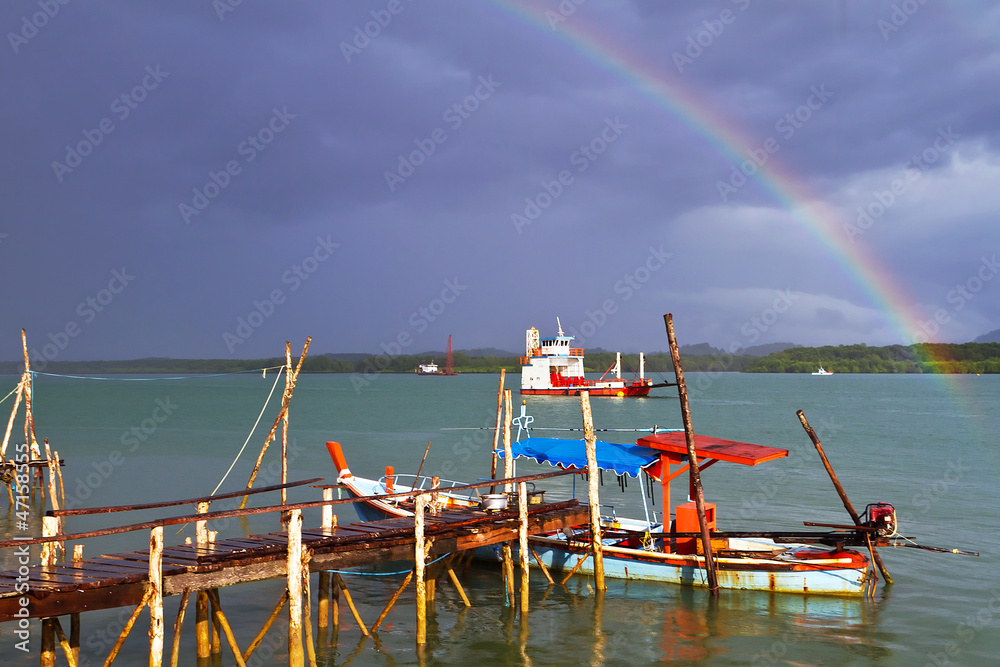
<point>707,447</point>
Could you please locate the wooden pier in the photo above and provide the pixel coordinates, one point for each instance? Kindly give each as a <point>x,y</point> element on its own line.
<point>142,577</point>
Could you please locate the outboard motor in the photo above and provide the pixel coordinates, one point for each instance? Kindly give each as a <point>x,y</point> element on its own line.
<point>881,517</point>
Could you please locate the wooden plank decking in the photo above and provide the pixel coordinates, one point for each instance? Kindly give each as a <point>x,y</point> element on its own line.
<point>119,579</point>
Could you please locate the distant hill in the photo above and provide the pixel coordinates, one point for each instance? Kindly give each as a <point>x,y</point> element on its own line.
<point>991,337</point>
<point>706,350</point>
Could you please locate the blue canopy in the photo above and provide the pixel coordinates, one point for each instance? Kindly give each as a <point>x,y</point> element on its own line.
<point>618,458</point>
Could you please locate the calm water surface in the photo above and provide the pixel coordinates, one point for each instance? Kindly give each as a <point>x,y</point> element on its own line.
<point>926,444</point>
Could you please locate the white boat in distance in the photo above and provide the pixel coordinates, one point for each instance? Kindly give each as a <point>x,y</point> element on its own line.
<point>823,371</point>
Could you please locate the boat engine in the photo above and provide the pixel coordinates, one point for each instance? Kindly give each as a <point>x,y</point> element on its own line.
<point>881,517</point>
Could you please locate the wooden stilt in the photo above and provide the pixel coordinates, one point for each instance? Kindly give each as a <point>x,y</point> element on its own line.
<point>350,604</point>
<point>507,557</point>
<point>213,596</point>
<point>62,489</point>
<point>458,587</point>
<point>50,528</point>
<point>175,648</point>
<point>296,658</point>
<point>392,601</point>
<point>267,626</point>
<point>307,607</point>
<point>541,566</point>
<point>840,490</point>
<point>64,643</point>
<point>508,458</point>
<point>156,597</point>
<point>203,629</point>
<point>419,556</point>
<point>522,541</point>
<point>575,568</point>
<point>284,420</point>
<point>285,399</point>
<point>593,492</point>
<point>74,619</point>
<point>496,431</point>
<point>693,473</point>
<point>10,422</point>
<point>127,629</point>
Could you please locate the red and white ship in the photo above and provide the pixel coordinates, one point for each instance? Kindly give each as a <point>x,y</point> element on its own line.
<point>553,367</point>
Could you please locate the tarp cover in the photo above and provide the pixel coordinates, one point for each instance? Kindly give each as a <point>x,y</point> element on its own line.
<point>618,458</point>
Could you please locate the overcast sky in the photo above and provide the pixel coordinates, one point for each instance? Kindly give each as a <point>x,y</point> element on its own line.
<point>207,179</point>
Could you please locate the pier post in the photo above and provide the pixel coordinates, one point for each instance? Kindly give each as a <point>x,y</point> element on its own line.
<point>593,493</point>
<point>74,619</point>
<point>50,528</point>
<point>323,607</point>
<point>496,431</point>
<point>156,597</point>
<point>694,474</point>
<point>294,569</point>
<point>202,627</point>
<point>522,541</point>
<point>419,556</point>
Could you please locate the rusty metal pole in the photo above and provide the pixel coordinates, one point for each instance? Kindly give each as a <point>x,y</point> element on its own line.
<point>840,489</point>
<point>699,495</point>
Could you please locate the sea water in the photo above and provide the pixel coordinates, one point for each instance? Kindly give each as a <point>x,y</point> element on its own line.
<point>926,444</point>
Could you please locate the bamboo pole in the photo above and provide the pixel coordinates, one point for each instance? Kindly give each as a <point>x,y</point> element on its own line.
<point>64,643</point>
<point>575,568</point>
<point>296,658</point>
<point>593,492</point>
<point>392,601</point>
<point>128,628</point>
<point>62,489</point>
<point>694,473</point>
<point>541,566</point>
<point>267,626</point>
<point>496,431</point>
<point>10,422</point>
<point>855,517</point>
<point>350,604</point>
<point>175,647</point>
<point>508,457</point>
<point>213,596</point>
<point>74,619</point>
<point>419,556</point>
<point>284,420</point>
<point>285,399</point>
<point>323,607</point>
<point>522,541</point>
<point>53,476</point>
<point>307,607</point>
<point>202,622</point>
<point>156,597</point>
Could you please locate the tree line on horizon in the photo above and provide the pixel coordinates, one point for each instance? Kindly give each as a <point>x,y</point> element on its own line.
<point>919,358</point>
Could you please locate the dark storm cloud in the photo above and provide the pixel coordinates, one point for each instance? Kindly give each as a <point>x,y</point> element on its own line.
<point>355,159</point>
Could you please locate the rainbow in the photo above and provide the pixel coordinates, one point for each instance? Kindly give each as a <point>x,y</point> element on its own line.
<point>724,136</point>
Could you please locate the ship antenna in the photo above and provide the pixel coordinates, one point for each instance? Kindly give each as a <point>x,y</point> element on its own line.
<point>559,324</point>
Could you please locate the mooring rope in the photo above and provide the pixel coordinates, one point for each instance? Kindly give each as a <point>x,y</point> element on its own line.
<point>233,464</point>
<point>180,377</point>
<point>385,574</point>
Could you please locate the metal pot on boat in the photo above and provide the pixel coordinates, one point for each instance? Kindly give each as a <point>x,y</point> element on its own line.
<point>493,502</point>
